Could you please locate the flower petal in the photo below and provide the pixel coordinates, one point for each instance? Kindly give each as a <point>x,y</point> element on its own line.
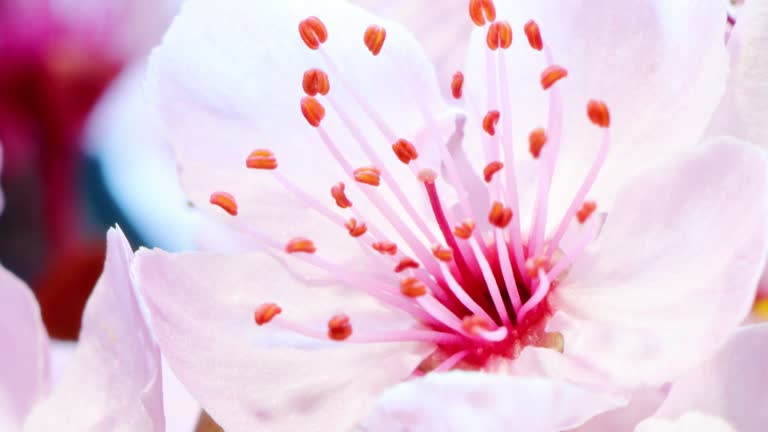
<point>113,382</point>
<point>461,401</point>
<point>265,378</point>
<point>674,270</point>
<point>689,422</point>
<point>24,365</point>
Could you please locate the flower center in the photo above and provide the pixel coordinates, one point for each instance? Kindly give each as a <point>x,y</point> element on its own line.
<point>478,293</point>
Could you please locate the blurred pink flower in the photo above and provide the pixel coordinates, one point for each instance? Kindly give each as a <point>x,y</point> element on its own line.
<point>512,271</point>
<point>113,380</point>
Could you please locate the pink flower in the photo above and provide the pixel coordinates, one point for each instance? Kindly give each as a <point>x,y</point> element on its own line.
<point>113,381</point>
<point>392,237</point>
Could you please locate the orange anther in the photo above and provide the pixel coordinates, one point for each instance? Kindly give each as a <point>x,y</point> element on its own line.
<point>300,244</point>
<point>533,33</point>
<point>412,287</point>
<point>374,38</point>
<point>489,122</point>
<point>427,176</point>
<point>491,169</point>
<point>315,81</point>
<point>225,201</point>
<point>355,229</point>
<point>598,113</point>
<point>474,324</point>
<point>442,253</point>
<point>385,247</point>
<point>551,75</point>
<point>405,151</point>
<point>536,141</point>
<point>368,175</point>
<point>313,111</point>
<point>499,35</point>
<point>265,312</point>
<point>406,263</point>
<point>337,192</point>
<point>457,84</point>
<point>261,159</point>
<point>499,215</point>
<point>339,327</point>
<point>313,32</point>
<point>480,10</point>
<point>586,211</point>
<point>532,265</point>
<point>464,230</point>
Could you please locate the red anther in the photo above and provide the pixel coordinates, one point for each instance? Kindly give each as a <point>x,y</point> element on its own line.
<point>532,265</point>
<point>499,215</point>
<point>300,244</point>
<point>368,175</point>
<point>533,33</point>
<point>337,192</point>
<point>225,201</point>
<point>406,263</point>
<point>551,75</point>
<point>313,111</point>
<point>405,151</point>
<point>339,327</point>
<point>480,10</point>
<point>536,141</point>
<point>491,169</point>
<point>412,287</point>
<point>374,38</point>
<point>586,211</point>
<point>442,253</point>
<point>474,324</point>
<point>355,229</point>
<point>265,312</point>
<point>427,176</point>
<point>315,81</point>
<point>499,35</point>
<point>489,122</point>
<point>385,247</point>
<point>464,230</point>
<point>261,159</point>
<point>457,84</point>
<point>313,32</point>
<point>598,113</point>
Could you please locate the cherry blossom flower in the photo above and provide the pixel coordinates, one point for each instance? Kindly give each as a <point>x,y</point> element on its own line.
<point>570,224</point>
<point>113,380</point>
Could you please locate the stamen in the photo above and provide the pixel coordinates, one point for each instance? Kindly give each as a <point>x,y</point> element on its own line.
<point>412,287</point>
<point>300,244</point>
<point>427,176</point>
<point>315,81</point>
<point>442,253</point>
<point>405,151</point>
<point>374,38</point>
<point>339,327</point>
<point>490,282</point>
<point>406,263</point>
<point>491,169</point>
<point>538,295</point>
<point>533,33</point>
<point>261,159</point>
<point>598,113</point>
<point>313,111</point>
<point>536,140</point>
<point>265,312</point>
<point>480,10</point>
<point>499,35</point>
<point>499,215</point>
<point>489,122</point>
<point>457,84</point>
<point>337,192</point>
<point>586,211</point>
<point>355,229</point>
<point>368,175</point>
<point>533,265</point>
<point>551,75</point>
<point>226,201</point>
<point>464,230</point>
<point>451,361</point>
<point>385,247</point>
<point>313,32</point>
